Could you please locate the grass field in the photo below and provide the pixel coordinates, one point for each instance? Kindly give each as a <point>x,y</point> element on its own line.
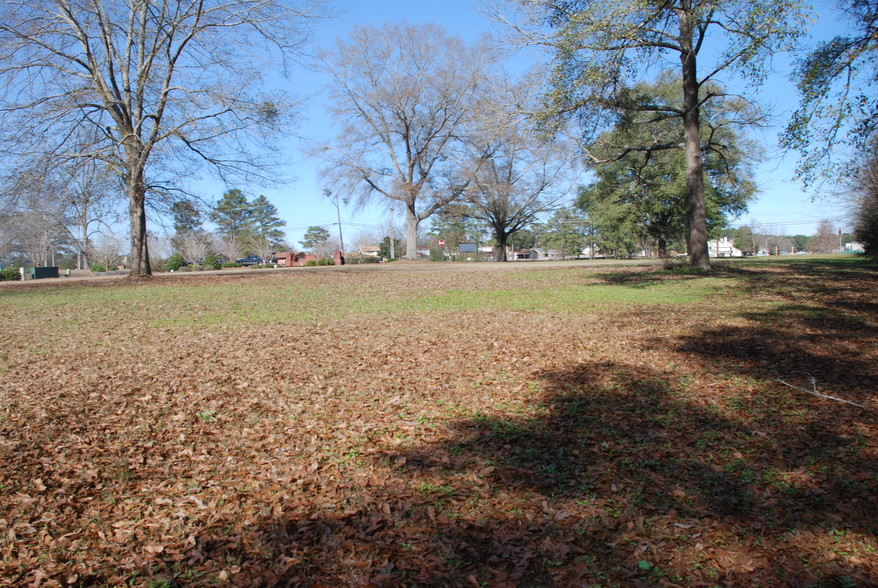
<point>530,425</point>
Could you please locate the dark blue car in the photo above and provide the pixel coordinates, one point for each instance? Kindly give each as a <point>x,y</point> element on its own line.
<point>249,260</point>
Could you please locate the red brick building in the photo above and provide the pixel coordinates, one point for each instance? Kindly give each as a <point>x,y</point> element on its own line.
<point>291,259</point>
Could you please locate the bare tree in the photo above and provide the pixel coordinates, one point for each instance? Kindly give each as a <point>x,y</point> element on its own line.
<point>825,240</point>
<point>106,251</point>
<point>403,95</point>
<point>228,247</point>
<point>161,247</point>
<point>80,195</point>
<point>38,234</point>
<point>193,246</point>
<point>89,191</point>
<point>525,175</point>
<point>167,85</point>
<point>263,247</point>
<point>366,237</point>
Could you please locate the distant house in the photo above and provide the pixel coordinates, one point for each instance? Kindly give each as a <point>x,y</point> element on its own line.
<point>723,247</point>
<point>854,247</point>
<point>370,250</point>
<point>292,259</point>
<point>523,255</point>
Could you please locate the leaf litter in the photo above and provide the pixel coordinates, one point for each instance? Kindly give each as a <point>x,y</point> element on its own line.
<point>381,442</point>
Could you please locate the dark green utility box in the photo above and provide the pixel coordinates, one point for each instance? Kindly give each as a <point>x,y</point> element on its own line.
<point>43,272</point>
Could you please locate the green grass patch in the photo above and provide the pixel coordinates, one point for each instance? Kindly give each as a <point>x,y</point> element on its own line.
<point>285,299</point>
<point>272,301</point>
<point>570,298</point>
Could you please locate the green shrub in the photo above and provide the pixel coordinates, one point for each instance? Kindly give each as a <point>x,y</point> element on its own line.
<point>175,262</point>
<point>10,273</point>
<point>231,264</point>
<point>325,262</point>
<point>211,262</point>
<point>96,267</point>
<point>358,259</point>
<point>310,263</point>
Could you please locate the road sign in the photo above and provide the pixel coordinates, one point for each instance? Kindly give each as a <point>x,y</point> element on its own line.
<point>441,242</point>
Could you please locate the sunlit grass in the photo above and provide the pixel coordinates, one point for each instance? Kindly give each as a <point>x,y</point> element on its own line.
<point>273,298</point>
<point>279,300</point>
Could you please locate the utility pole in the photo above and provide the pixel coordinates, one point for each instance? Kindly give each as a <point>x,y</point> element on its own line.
<point>328,193</point>
<point>392,244</point>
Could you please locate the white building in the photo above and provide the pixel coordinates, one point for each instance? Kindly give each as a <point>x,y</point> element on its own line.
<point>723,247</point>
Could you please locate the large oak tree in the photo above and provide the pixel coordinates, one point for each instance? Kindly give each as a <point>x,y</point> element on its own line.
<point>168,85</point>
<point>644,193</point>
<point>524,175</point>
<point>403,97</point>
<point>600,49</point>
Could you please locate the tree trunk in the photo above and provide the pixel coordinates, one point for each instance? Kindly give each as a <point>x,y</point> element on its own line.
<point>411,231</point>
<point>138,258</point>
<point>662,248</point>
<point>697,242</point>
<point>82,246</point>
<point>500,249</point>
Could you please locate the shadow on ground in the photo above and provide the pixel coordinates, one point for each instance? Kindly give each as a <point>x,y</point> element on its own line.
<point>623,480</point>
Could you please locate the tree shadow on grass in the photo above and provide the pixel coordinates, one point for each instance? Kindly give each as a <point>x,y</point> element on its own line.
<point>621,478</point>
<point>826,329</point>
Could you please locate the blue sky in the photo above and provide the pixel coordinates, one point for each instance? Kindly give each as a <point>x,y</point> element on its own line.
<point>782,207</point>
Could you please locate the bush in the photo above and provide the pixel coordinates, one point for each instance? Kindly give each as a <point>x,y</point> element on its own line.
<point>211,262</point>
<point>357,260</point>
<point>10,274</point>
<point>175,262</point>
<point>325,262</point>
<point>231,264</point>
<point>310,263</point>
<point>96,267</point>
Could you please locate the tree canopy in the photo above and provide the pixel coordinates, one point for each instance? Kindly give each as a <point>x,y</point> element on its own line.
<point>524,175</point>
<point>315,238</point>
<point>864,188</point>
<point>838,104</point>
<point>158,87</point>
<point>233,214</point>
<point>649,189</point>
<point>266,223</point>
<point>565,232</point>
<point>602,49</point>
<point>403,96</point>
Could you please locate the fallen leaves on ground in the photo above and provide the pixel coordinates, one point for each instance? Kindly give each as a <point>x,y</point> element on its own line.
<point>608,443</point>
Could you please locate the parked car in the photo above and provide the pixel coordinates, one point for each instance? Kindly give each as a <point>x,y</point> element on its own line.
<point>249,260</point>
